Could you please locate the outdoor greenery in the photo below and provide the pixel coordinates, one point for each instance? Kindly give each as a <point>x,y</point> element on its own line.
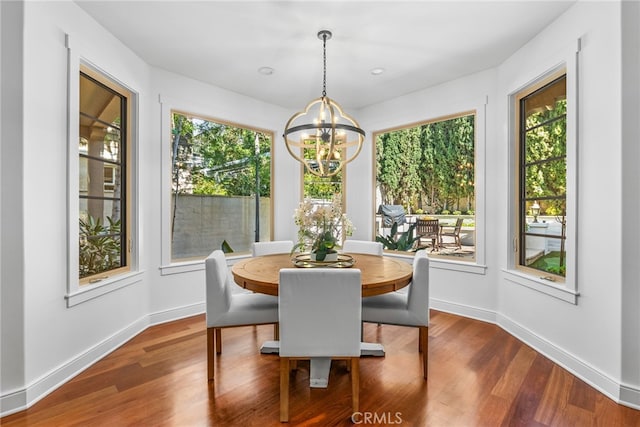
<point>402,242</point>
<point>551,262</point>
<point>544,147</point>
<point>218,159</point>
<point>322,188</point>
<point>218,163</point>
<point>545,154</point>
<point>428,167</point>
<point>99,246</point>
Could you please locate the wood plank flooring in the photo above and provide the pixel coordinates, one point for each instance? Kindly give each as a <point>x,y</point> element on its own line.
<point>479,375</point>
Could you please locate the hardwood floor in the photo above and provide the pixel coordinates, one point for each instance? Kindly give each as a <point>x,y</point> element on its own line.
<point>479,375</point>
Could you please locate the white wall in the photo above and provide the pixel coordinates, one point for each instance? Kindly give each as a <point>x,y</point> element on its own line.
<point>468,293</point>
<point>630,318</point>
<point>171,91</point>
<point>585,337</point>
<point>59,341</point>
<point>12,372</point>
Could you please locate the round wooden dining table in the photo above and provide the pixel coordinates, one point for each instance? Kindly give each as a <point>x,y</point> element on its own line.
<point>379,274</point>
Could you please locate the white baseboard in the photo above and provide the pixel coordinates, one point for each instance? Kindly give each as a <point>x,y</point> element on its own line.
<point>463,310</point>
<point>630,396</point>
<point>170,315</point>
<point>623,394</point>
<point>570,362</point>
<point>18,400</point>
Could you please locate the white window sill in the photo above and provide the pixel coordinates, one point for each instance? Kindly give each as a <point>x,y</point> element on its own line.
<point>555,290</point>
<point>196,265</point>
<point>89,292</point>
<point>442,264</point>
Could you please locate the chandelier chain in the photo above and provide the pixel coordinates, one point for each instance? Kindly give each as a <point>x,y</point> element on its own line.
<point>324,65</point>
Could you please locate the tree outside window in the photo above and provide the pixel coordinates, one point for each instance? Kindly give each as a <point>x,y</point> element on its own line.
<point>221,186</point>
<point>543,178</point>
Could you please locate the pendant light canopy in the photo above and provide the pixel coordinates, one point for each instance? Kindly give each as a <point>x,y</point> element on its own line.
<point>322,136</point>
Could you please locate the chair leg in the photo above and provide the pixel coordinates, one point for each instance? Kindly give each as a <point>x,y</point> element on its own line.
<point>210,344</point>
<point>218,332</point>
<point>424,346</point>
<point>284,389</point>
<point>276,331</point>
<point>355,383</point>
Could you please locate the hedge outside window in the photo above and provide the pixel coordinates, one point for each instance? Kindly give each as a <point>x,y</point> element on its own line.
<point>428,170</point>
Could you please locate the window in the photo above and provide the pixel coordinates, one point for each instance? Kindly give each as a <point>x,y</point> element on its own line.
<point>324,191</point>
<point>542,179</point>
<point>104,185</point>
<point>322,188</point>
<point>427,171</point>
<point>220,186</point>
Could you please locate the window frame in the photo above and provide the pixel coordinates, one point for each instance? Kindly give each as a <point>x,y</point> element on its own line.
<point>126,242</point>
<point>79,291</point>
<point>343,184</point>
<point>477,265</point>
<point>567,290</point>
<point>520,176</point>
<point>168,106</point>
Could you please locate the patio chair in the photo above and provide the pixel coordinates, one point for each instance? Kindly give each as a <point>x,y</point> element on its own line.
<point>452,231</point>
<point>428,229</point>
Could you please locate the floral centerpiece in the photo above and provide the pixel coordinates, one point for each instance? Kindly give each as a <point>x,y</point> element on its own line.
<point>321,227</point>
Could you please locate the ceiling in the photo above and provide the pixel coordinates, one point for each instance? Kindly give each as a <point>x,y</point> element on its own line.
<point>418,43</point>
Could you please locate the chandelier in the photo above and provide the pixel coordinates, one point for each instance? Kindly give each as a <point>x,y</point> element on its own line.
<point>322,137</point>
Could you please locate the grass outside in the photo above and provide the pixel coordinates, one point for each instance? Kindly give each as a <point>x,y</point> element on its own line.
<point>550,263</point>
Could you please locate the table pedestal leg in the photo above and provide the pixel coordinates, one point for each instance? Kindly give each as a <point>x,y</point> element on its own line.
<point>319,372</point>
<point>320,366</point>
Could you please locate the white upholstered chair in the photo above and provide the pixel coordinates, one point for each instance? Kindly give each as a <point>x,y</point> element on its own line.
<point>273,247</point>
<point>409,308</point>
<point>362,247</point>
<point>320,316</point>
<point>227,309</point>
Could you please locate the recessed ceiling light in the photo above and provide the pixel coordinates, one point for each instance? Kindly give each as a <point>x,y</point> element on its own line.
<point>267,71</point>
<point>377,71</point>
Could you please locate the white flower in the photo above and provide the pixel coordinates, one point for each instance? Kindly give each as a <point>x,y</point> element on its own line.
<point>321,227</point>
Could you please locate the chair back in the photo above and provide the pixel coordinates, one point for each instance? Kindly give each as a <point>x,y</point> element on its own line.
<point>273,247</point>
<point>418,298</point>
<point>320,312</point>
<point>363,247</point>
<point>427,227</point>
<point>458,225</point>
<point>218,291</point>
